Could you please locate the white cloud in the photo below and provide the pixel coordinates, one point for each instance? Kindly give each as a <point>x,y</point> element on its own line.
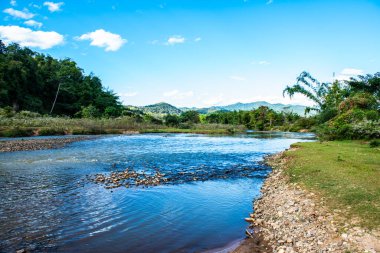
<point>262,62</point>
<point>29,38</point>
<point>102,38</point>
<point>237,78</point>
<point>198,39</point>
<point>13,2</point>
<point>53,7</point>
<point>33,23</point>
<point>215,100</point>
<point>176,94</point>
<point>175,39</point>
<point>347,73</point>
<point>25,14</point>
<point>128,94</point>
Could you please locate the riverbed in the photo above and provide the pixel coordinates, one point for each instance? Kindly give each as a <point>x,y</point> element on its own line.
<point>48,203</point>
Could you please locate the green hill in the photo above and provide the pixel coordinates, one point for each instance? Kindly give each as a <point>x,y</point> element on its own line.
<point>165,108</point>
<point>160,109</point>
<point>299,109</point>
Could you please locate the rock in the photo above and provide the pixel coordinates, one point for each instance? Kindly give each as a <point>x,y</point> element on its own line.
<point>292,219</point>
<point>250,220</point>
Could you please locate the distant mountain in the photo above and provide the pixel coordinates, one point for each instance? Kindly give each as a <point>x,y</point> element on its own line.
<point>299,109</point>
<point>160,108</point>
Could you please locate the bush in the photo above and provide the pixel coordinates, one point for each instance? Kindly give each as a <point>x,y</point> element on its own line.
<point>84,131</point>
<point>89,112</point>
<point>51,131</point>
<point>7,112</point>
<point>171,120</point>
<point>17,132</point>
<point>374,143</point>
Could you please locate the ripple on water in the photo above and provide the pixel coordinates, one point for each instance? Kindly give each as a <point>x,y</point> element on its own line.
<point>46,203</point>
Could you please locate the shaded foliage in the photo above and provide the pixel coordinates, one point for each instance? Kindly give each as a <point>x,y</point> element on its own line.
<point>30,80</point>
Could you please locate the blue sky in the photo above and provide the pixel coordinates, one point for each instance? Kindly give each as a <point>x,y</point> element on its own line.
<point>199,52</point>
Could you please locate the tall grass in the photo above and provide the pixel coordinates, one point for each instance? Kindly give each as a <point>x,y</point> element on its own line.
<point>26,126</point>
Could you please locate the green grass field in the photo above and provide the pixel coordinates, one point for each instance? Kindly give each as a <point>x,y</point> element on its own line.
<point>346,173</point>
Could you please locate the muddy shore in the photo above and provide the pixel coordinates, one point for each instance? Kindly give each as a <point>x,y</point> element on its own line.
<point>287,218</point>
<point>38,144</point>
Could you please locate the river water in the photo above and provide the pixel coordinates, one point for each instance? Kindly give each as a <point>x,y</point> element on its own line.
<point>48,203</point>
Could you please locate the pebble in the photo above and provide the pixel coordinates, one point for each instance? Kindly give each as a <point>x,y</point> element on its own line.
<point>287,215</point>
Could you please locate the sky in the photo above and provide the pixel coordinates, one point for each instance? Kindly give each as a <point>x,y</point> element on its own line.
<point>201,52</point>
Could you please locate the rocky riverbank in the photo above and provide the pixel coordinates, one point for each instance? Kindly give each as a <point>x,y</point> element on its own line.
<point>289,219</point>
<point>38,144</point>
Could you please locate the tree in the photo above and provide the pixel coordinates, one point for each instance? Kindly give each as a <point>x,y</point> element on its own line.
<point>368,84</point>
<point>311,88</point>
<point>37,82</point>
<point>171,120</point>
<point>190,117</point>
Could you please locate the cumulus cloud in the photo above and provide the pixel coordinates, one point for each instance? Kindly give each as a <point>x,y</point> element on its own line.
<point>13,2</point>
<point>25,14</point>
<point>197,39</point>
<point>102,38</point>
<point>237,78</point>
<point>53,7</point>
<point>347,73</point>
<point>29,38</point>
<point>33,23</point>
<point>176,94</point>
<point>175,39</point>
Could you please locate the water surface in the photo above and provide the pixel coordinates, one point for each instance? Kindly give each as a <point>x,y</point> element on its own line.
<point>48,204</point>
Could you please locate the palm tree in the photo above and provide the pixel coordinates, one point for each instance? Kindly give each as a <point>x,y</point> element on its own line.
<point>311,88</point>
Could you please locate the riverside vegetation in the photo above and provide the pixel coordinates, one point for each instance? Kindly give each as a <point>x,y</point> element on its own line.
<point>40,95</point>
<point>324,196</point>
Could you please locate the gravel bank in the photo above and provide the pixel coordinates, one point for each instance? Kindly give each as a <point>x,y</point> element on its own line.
<point>291,219</point>
<point>37,144</point>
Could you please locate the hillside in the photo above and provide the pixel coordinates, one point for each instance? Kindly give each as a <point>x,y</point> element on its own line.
<point>161,108</point>
<point>299,109</point>
<point>165,108</point>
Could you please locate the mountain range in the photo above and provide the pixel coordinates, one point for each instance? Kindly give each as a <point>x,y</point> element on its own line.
<point>165,108</point>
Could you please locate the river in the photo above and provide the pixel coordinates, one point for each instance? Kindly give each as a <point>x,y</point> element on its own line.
<point>48,203</point>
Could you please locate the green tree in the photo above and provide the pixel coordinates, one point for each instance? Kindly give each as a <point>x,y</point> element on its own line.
<point>311,88</point>
<point>190,117</point>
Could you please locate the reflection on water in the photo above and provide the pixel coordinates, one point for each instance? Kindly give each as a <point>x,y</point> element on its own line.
<point>47,203</point>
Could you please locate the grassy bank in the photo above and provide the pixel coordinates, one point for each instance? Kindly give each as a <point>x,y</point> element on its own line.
<point>22,127</point>
<point>346,173</point>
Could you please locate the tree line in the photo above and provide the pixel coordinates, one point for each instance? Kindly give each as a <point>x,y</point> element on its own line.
<point>31,81</point>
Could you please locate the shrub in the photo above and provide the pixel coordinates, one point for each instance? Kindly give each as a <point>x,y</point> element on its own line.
<point>51,131</point>
<point>7,112</point>
<point>17,132</point>
<point>28,114</point>
<point>89,112</point>
<point>374,143</point>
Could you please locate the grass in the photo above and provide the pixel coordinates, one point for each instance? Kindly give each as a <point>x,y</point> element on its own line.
<point>20,127</point>
<point>346,173</point>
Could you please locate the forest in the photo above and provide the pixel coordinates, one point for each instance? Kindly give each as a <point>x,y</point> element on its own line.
<point>42,88</point>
